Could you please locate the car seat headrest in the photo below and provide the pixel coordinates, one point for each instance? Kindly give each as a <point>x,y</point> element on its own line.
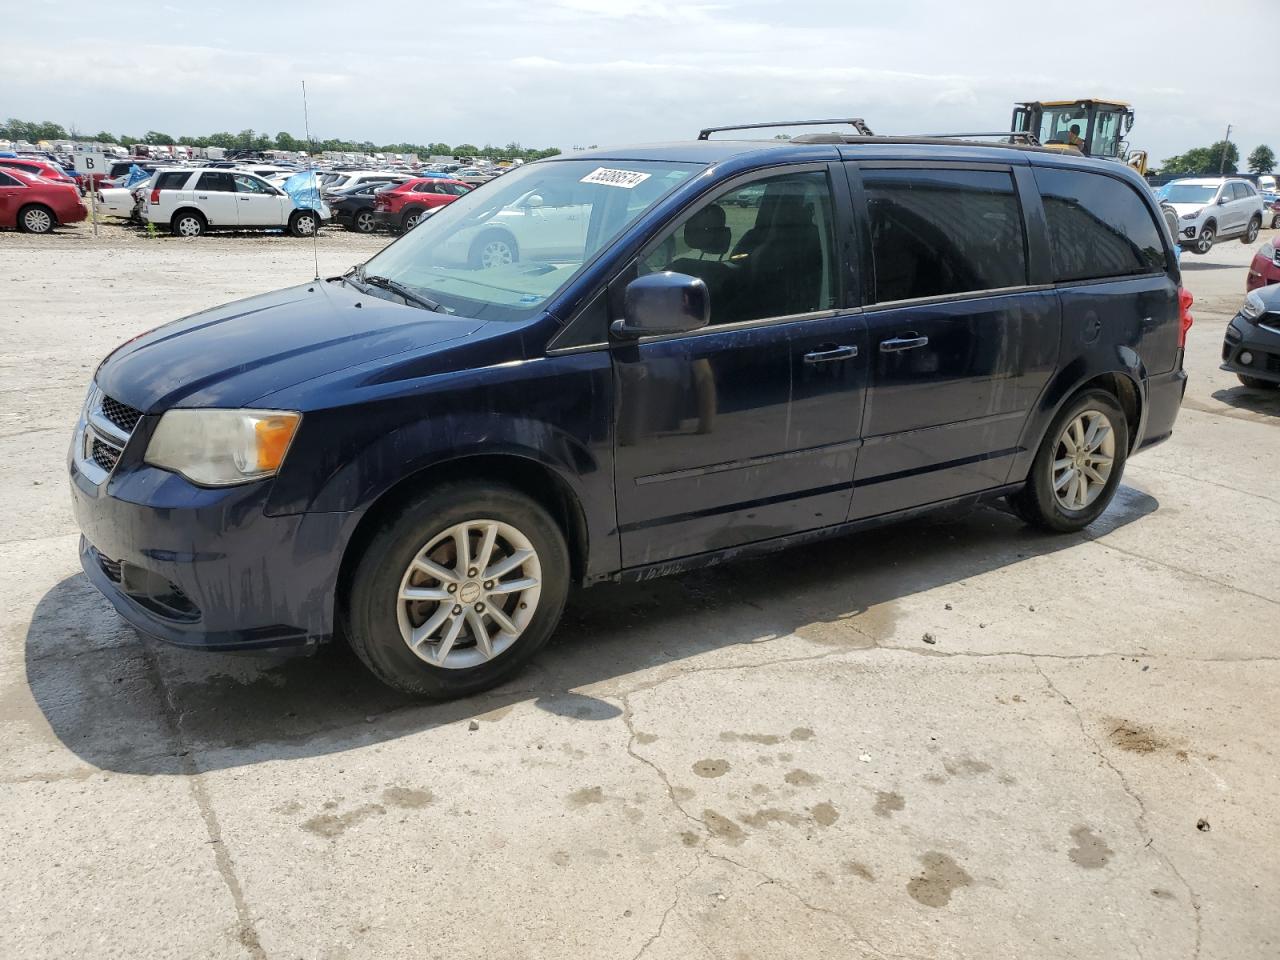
<point>706,230</point>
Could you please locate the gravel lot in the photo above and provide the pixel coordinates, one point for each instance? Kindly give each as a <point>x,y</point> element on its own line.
<point>759,761</point>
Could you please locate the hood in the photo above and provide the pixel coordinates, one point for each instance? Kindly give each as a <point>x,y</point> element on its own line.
<point>1184,208</point>
<point>233,354</point>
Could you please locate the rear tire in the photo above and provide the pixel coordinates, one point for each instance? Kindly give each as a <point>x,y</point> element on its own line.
<point>383,626</point>
<point>1255,383</point>
<point>1049,501</point>
<point>412,217</point>
<point>188,223</point>
<point>1251,232</point>
<point>496,248</point>
<point>304,223</point>
<point>36,218</point>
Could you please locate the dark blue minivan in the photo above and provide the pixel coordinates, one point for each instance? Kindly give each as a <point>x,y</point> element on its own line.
<point>623,364</point>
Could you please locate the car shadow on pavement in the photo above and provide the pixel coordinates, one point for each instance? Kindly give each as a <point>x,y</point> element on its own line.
<point>126,704</point>
<point>1248,398</point>
<point>1191,266</point>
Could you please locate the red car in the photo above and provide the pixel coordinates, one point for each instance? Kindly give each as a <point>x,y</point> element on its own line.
<point>401,207</point>
<point>35,204</point>
<point>39,168</point>
<point>1265,268</point>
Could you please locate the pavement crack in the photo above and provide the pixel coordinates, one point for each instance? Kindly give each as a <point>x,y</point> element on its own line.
<point>1141,819</point>
<point>247,934</point>
<point>1212,483</point>
<point>1183,570</point>
<point>666,914</point>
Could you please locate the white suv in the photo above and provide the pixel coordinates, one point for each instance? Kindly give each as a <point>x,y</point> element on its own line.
<point>191,201</point>
<point>1214,208</point>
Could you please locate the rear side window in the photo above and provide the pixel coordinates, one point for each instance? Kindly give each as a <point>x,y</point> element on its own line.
<point>216,182</point>
<point>1098,227</point>
<point>173,181</point>
<point>8,181</point>
<point>941,232</point>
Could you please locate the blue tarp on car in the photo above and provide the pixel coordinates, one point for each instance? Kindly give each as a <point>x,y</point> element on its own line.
<point>136,175</point>
<point>304,189</point>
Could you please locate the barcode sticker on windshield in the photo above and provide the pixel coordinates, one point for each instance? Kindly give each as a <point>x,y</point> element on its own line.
<point>615,178</point>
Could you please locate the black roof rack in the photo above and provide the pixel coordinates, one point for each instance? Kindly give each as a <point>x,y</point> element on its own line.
<point>856,122</point>
<point>1006,139</point>
<point>1013,136</point>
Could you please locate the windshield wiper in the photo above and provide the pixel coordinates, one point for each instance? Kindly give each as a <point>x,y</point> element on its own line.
<point>400,290</point>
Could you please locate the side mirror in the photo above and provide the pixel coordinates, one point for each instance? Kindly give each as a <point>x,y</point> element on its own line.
<point>1223,199</point>
<point>661,303</point>
<point>534,202</point>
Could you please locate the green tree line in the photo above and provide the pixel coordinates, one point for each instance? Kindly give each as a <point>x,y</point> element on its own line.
<point>15,129</point>
<point>1220,157</point>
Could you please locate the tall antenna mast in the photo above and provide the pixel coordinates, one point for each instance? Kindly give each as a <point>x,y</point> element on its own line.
<point>311,149</point>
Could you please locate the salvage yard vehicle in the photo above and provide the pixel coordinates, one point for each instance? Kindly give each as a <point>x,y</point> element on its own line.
<point>402,206</point>
<point>353,207</point>
<point>1214,208</point>
<point>36,205</point>
<point>40,168</point>
<point>1264,270</point>
<point>423,456</point>
<point>1251,345</point>
<point>191,201</point>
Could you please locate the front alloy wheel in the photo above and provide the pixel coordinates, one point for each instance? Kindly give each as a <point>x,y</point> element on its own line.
<point>1204,243</point>
<point>363,221</point>
<point>1083,460</point>
<point>496,253</point>
<point>469,594</point>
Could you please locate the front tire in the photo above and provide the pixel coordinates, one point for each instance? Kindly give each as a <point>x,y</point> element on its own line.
<point>1251,233</point>
<point>304,223</point>
<point>1255,383</point>
<point>362,222</point>
<point>36,218</point>
<point>1078,467</point>
<point>1204,243</point>
<point>458,590</point>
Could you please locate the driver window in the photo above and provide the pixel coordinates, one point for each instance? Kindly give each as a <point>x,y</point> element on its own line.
<point>764,250</point>
<point>248,185</point>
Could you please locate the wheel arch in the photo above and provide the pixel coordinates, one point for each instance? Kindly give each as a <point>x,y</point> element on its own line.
<point>188,209</point>
<point>525,474</point>
<point>1124,385</point>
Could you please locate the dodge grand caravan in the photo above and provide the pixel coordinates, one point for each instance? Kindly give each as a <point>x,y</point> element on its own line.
<point>425,453</point>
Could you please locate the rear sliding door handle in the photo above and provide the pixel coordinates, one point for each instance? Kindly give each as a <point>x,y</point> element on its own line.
<point>834,353</point>
<point>906,342</point>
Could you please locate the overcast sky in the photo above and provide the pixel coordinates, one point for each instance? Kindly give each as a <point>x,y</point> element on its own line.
<point>567,72</point>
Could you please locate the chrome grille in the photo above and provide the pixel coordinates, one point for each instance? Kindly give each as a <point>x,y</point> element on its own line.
<point>121,414</point>
<point>103,434</point>
<point>104,454</point>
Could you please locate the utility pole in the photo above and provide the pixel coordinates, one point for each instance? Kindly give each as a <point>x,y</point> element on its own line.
<point>1226,145</point>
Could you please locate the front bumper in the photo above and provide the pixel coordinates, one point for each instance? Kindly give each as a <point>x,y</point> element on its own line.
<point>1260,342</point>
<point>204,567</point>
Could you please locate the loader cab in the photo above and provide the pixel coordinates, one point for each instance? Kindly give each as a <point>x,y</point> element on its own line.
<point>1102,125</point>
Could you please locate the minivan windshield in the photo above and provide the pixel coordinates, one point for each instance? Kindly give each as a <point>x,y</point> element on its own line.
<point>1189,193</point>
<point>502,250</point>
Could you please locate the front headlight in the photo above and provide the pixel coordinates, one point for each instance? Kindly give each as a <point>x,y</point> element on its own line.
<point>1192,215</point>
<point>217,448</point>
<point>1253,307</point>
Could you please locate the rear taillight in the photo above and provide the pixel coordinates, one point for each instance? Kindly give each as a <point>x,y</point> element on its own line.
<point>1184,315</point>
<point>155,196</point>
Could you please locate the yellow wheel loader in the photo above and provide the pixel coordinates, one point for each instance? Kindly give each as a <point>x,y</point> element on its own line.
<point>1095,128</point>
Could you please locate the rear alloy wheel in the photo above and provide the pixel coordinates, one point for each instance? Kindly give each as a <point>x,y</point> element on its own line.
<point>411,219</point>
<point>36,220</point>
<point>491,250</point>
<point>1275,221</point>
<point>1204,242</point>
<point>1251,233</point>
<point>304,224</point>
<point>458,591</point>
<point>187,224</point>
<point>362,222</point>
<point>1078,467</point>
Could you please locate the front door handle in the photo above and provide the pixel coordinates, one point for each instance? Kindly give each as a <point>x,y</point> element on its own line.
<point>833,353</point>
<point>908,341</point>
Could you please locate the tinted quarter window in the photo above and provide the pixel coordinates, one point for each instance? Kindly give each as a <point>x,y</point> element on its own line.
<point>940,232</point>
<point>171,181</point>
<point>218,182</point>
<point>8,181</point>
<point>1098,227</point>
<point>764,250</point>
